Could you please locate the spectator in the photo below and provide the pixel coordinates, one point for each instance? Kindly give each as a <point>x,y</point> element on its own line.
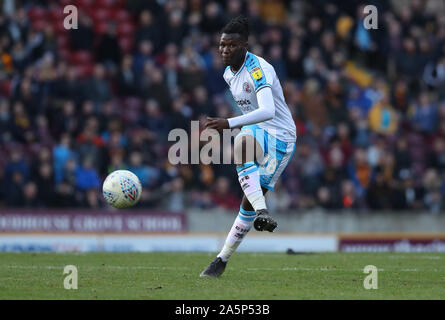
<point>45,184</point>
<point>326,200</point>
<point>382,117</point>
<point>359,100</point>
<point>98,88</point>
<point>158,90</point>
<point>424,114</point>
<point>61,153</point>
<point>108,49</point>
<point>154,121</point>
<point>82,38</point>
<point>30,196</point>
<point>310,166</point>
<point>86,176</point>
<point>222,196</point>
<point>175,200</point>
<point>149,31</point>
<point>127,84</point>
<point>16,164</point>
<point>360,172</point>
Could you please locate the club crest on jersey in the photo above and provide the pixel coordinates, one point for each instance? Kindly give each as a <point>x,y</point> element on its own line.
<point>256,73</point>
<point>246,87</point>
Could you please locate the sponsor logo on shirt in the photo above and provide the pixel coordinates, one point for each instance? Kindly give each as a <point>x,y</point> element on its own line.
<point>244,104</point>
<point>256,73</point>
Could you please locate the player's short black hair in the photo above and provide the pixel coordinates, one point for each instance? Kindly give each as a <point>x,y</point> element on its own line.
<point>238,25</point>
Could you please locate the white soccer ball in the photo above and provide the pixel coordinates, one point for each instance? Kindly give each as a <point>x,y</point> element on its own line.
<point>122,189</point>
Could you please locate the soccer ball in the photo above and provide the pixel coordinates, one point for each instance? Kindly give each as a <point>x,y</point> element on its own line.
<point>122,189</point>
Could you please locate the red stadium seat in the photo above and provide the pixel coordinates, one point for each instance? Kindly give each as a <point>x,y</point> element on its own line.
<point>100,15</point>
<point>121,15</point>
<point>64,53</point>
<point>56,13</point>
<point>120,4</point>
<point>81,57</point>
<point>100,27</point>
<point>106,3</point>
<point>126,44</point>
<point>37,13</point>
<point>39,25</point>
<point>64,3</point>
<point>63,40</point>
<point>84,70</point>
<point>125,29</point>
<point>59,28</point>
<point>5,88</point>
<point>84,3</point>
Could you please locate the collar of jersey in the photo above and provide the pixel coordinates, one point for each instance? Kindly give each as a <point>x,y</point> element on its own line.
<point>244,63</point>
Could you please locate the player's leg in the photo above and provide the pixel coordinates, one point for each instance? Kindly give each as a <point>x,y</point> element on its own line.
<point>241,226</point>
<point>245,204</point>
<point>250,174</point>
<point>247,154</point>
<point>263,220</point>
<point>277,155</point>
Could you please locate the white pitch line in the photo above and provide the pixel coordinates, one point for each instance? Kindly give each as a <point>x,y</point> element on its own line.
<point>336,269</point>
<point>188,268</point>
<point>414,257</point>
<point>97,267</point>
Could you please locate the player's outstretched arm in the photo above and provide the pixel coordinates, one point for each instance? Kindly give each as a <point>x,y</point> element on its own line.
<point>265,111</point>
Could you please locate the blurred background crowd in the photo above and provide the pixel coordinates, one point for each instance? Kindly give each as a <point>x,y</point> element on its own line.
<point>369,105</point>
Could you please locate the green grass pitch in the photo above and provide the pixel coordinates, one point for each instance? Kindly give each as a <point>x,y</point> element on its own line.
<point>248,276</point>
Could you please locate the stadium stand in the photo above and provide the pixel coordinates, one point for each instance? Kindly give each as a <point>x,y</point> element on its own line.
<point>369,105</point>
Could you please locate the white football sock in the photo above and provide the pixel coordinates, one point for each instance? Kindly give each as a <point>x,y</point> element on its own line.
<point>249,179</point>
<point>240,228</point>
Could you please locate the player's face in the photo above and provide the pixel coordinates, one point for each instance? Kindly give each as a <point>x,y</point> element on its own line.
<point>232,49</point>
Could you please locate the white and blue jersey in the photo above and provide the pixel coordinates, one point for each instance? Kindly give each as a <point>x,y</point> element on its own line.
<point>276,136</point>
<point>255,74</point>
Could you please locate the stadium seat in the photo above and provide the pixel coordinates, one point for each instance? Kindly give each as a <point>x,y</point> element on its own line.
<point>59,28</point>
<point>125,29</point>
<point>37,13</point>
<point>84,3</point>
<point>5,87</point>
<point>84,70</point>
<point>63,41</point>
<point>120,4</point>
<point>121,15</point>
<point>56,13</point>
<point>80,57</point>
<point>39,24</point>
<point>64,53</point>
<point>126,44</point>
<point>64,3</point>
<point>101,27</point>
<point>100,15</point>
<point>106,3</point>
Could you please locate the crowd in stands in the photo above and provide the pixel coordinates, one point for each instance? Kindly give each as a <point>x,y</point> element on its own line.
<point>369,104</point>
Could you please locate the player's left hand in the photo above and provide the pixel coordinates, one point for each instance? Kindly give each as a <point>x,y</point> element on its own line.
<point>217,123</point>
